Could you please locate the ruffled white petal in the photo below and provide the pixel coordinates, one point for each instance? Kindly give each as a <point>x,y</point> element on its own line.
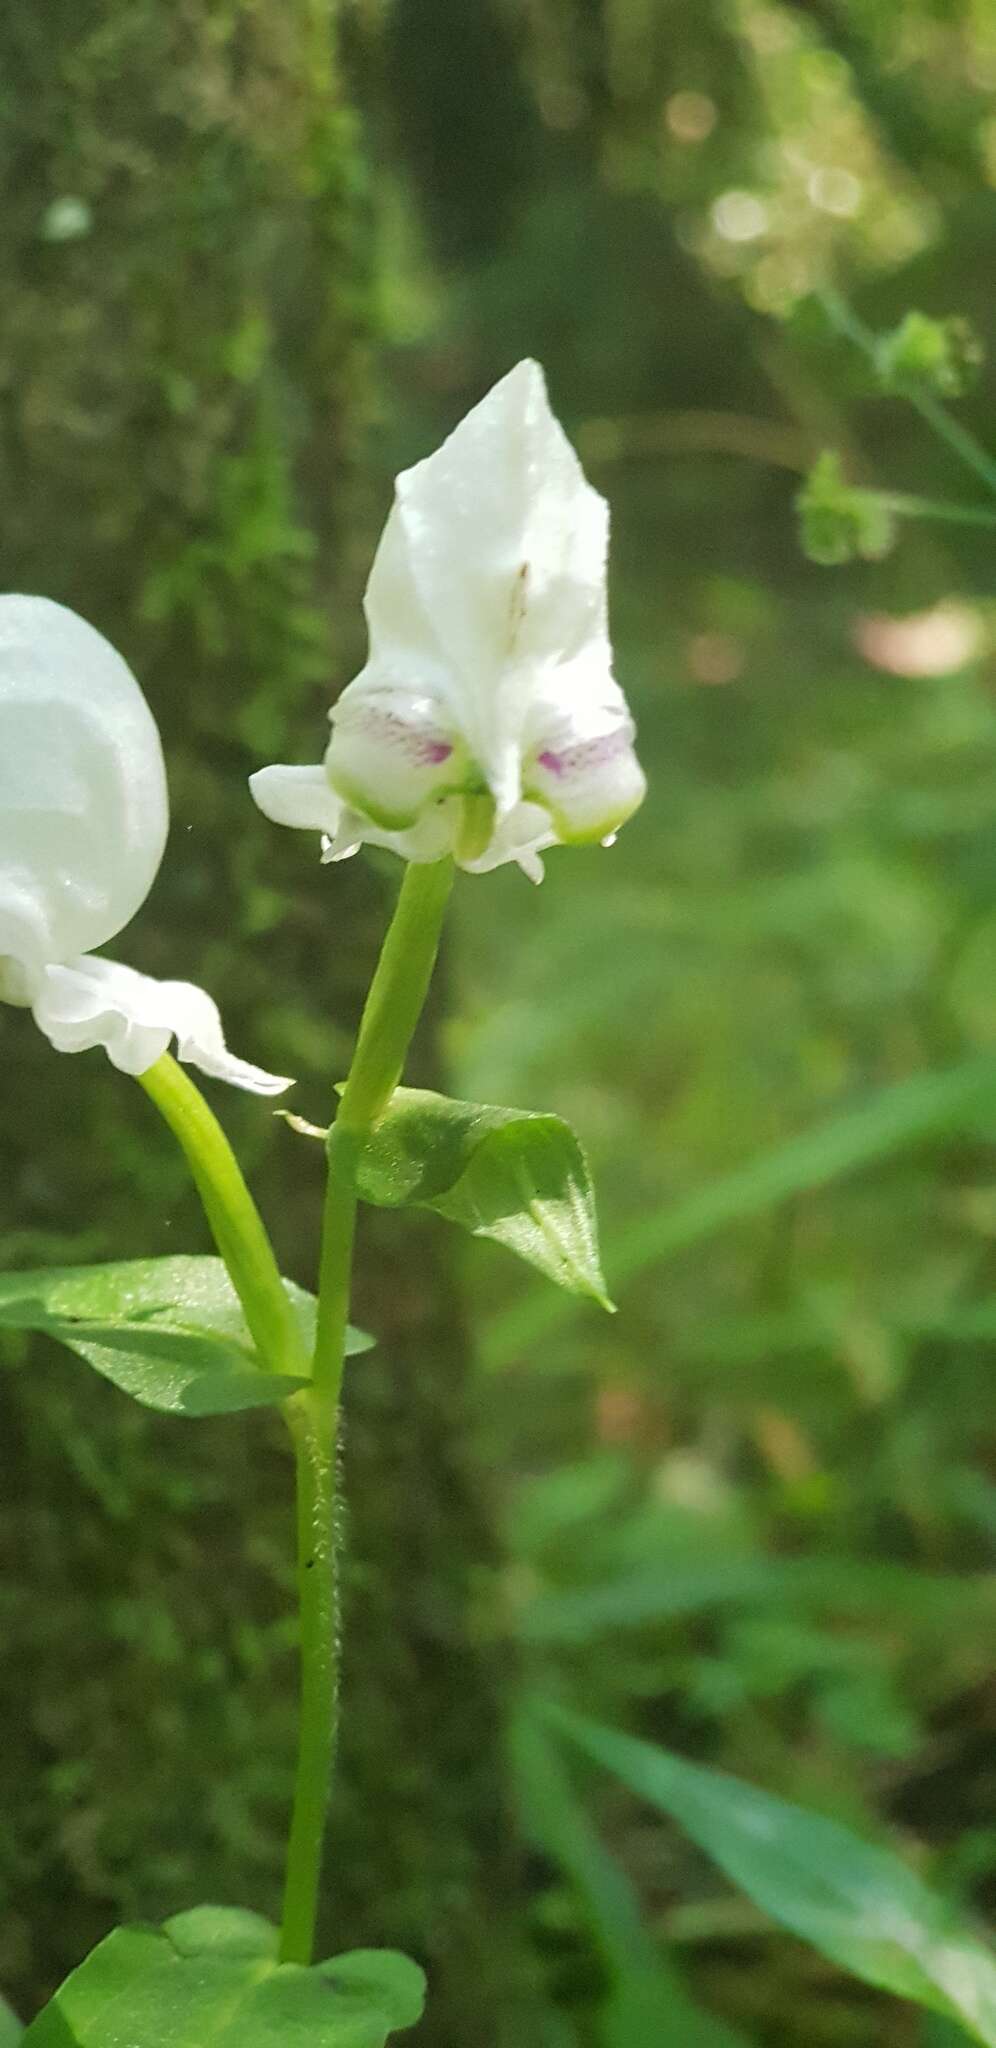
<point>521,836</point>
<point>88,1002</point>
<point>83,802</point>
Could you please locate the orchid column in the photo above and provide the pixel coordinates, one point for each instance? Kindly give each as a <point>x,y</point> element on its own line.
<point>485,728</point>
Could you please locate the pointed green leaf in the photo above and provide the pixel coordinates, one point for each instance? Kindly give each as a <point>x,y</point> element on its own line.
<point>210,1979</point>
<point>518,1176</point>
<point>648,2000</point>
<point>169,1332</point>
<point>856,1903</point>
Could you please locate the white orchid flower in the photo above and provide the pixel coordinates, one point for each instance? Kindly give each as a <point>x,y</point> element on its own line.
<point>487,722</point>
<point>84,814</point>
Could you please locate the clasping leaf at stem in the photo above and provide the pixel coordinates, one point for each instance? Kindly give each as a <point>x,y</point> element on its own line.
<point>518,1176</point>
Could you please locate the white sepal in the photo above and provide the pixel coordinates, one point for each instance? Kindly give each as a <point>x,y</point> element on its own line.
<point>91,1001</point>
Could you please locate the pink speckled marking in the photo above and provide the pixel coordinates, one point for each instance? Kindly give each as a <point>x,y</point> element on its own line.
<point>587,754</point>
<point>396,732</point>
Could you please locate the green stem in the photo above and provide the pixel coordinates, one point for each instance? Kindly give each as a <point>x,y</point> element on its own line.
<point>907,507</point>
<point>958,439</point>
<point>234,1219</point>
<point>392,1010</point>
<point>944,425</point>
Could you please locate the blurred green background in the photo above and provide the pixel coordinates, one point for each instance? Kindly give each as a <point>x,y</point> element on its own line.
<point>256,256</point>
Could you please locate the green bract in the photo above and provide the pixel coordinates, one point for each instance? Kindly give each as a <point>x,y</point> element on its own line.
<point>516,1175</point>
<point>169,1332</point>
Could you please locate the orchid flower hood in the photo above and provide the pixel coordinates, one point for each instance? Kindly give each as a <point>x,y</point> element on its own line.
<point>487,722</point>
<point>84,815</point>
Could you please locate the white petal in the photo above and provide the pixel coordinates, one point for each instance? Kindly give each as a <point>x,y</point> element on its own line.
<point>432,838</point>
<point>589,787</point>
<point>505,539</point>
<point>90,1002</point>
<point>579,760</point>
<point>83,802</point>
<point>521,837</point>
<point>490,669</point>
<point>297,796</point>
<point>492,565</point>
<point>391,755</point>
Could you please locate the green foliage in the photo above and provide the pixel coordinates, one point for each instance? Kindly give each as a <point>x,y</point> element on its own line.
<point>753,1514</point>
<point>210,1979</point>
<point>840,522</point>
<point>516,1176</point>
<point>858,1904</point>
<point>943,356</point>
<point>647,1999</point>
<point>11,2030</point>
<point>908,1114</point>
<point>169,1332</point>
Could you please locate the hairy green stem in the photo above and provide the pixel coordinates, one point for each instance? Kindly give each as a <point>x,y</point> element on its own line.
<point>232,1214</point>
<point>392,1010</point>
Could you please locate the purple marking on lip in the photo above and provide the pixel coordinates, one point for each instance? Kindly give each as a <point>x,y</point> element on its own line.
<point>555,762</point>
<point>436,751</point>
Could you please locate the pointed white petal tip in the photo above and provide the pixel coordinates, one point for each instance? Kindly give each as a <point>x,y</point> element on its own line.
<point>89,1002</point>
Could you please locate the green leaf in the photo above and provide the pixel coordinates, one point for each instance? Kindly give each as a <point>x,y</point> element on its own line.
<point>895,1119</point>
<point>648,2001</point>
<point>857,1904</point>
<point>669,1590</point>
<point>644,2009</point>
<point>210,1979</point>
<point>11,2030</point>
<point>938,2033</point>
<point>170,1332</point>
<point>518,1176</point>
